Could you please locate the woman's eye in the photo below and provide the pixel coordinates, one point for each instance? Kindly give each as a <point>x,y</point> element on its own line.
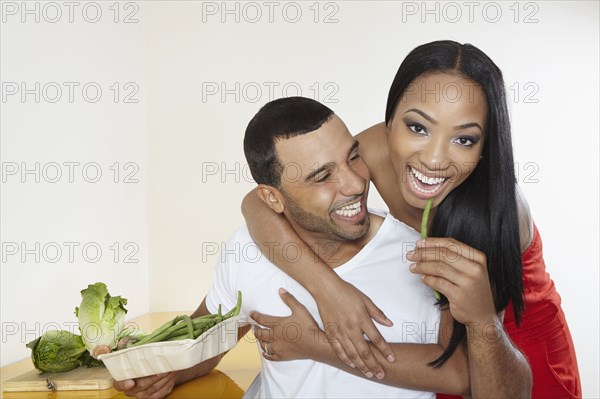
<point>354,158</point>
<point>466,141</point>
<point>416,128</point>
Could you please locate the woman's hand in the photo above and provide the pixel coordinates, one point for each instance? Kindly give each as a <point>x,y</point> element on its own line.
<point>460,273</point>
<point>299,337</point>
<point>348,316</point>
<point>289,338</point>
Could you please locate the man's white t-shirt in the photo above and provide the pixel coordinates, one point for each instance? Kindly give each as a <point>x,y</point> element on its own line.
<point>380,270</point>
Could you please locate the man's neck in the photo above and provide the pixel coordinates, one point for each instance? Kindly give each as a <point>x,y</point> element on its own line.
<point>337,252</point>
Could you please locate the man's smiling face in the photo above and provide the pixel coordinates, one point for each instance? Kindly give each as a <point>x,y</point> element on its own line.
<point>324,182</point>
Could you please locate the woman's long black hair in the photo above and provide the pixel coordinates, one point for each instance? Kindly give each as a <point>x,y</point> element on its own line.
<point>482,211</point>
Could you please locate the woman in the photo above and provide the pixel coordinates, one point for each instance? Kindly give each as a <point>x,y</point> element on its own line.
<point>491,272</point>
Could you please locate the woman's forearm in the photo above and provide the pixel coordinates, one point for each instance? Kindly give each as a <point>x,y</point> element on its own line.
<point>272,232</point>
<point>340,304</point>
<point>410,370</point>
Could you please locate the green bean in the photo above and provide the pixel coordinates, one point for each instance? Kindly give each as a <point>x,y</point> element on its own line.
<point>154,333</point>
<point>424,224</point>
<point>173,327</point>
<point>425,218</point>
<point>182,327</point>
<point>155,337</point>
<point>190,327</point>
<point>197,332</point>
<point>203,319</point>
<point>151,337</point>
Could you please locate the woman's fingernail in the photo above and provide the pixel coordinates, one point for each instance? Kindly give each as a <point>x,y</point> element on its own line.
<point>380,376</point>
<point>391,358</point>
<point>352,365</point>
<point>410,253</point>
<point>412,266</point>
<point>369,374</point>
<point>420,243</point>
<point>282,290</point>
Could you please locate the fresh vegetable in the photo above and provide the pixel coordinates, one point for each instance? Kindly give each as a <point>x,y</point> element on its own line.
<point>425,218</point>
<point>101,319</point>
<point>424,224</point>
<point>183,327</point>
<point>56,351</point>
<point>101,322</point>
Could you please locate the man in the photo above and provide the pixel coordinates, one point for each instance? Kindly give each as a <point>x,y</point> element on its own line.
<point>309,170</point>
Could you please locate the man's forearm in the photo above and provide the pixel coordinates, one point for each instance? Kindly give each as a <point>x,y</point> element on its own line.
<point>198,370</point>
<point>206,366</point>
<point>498,369</point>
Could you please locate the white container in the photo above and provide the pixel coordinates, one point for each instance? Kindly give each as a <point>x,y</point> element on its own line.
<point>162,357</point>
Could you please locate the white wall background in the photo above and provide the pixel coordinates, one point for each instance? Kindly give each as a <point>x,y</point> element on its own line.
<point>203,69</point>
<point>56,218</point>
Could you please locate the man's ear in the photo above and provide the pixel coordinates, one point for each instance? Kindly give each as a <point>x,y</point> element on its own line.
<point>271,196</point>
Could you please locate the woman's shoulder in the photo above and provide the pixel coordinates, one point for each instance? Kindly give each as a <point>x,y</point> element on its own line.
<point>371,132</point>
<point>373,149</point>
<point>375,152</point>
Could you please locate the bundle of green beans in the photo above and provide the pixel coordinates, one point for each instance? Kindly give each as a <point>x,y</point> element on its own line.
<point>183,327</point>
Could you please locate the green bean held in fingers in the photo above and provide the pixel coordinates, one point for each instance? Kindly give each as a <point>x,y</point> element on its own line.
<point>424,224</point>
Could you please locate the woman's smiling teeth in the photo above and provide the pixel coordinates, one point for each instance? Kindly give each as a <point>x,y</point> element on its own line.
<point>349,210</point>
<point>425,184</point>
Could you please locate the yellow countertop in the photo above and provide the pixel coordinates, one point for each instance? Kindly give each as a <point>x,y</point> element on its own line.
<point>230,379</point>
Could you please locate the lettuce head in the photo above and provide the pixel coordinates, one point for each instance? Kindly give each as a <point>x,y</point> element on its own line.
<point>101,319</point>
<point>56,351</point>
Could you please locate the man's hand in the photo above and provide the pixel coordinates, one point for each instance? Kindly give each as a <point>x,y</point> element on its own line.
<point>289,338</point>
<point>152,387</point>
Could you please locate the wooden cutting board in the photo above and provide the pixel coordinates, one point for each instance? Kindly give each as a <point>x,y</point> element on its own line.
<point>79,379</point>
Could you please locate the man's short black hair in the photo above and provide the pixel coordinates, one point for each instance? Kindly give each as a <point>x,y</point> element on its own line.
<point>279,119</point>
